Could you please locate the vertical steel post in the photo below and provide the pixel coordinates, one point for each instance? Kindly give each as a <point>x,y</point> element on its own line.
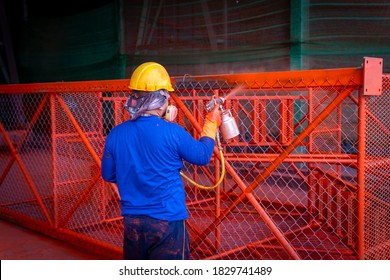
<point>53,124</point>
<point>372,86</point>
<point>360,179</point>
<point>217,173</point>
<point>311,188</point>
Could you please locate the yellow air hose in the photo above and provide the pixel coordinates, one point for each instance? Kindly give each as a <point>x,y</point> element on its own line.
<point>222,171</point>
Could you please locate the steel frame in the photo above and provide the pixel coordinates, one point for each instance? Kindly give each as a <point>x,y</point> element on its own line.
<point>346,80</point>
<point>277,81</point>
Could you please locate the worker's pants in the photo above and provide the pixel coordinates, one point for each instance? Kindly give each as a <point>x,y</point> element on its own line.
<point>146,238</point>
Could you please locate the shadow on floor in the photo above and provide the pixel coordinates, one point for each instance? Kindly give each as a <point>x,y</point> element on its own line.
<point>19,243</point>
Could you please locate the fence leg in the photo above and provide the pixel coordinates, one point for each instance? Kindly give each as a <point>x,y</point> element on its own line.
<point>361,161</point>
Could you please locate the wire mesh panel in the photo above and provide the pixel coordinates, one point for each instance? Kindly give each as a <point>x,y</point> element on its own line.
<point>290,191</point>
<point>26,165</point>
<point>83,202</point>
<point>296,208</point>
<point>75,168</point>
<point>377,175</point>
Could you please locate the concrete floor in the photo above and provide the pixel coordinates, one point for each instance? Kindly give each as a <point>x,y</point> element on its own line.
<point>18,243</point>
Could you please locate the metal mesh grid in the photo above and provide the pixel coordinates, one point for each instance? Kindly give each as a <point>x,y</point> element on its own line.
<point>290,190</point>
<point>26,182</point>
<point>377,175</point>
<point>284,193</point>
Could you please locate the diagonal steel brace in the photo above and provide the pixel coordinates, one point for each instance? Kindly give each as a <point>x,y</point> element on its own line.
<point>247,193</point>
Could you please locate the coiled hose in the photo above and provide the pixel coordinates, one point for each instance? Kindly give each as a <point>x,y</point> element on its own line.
<point>222,170</point>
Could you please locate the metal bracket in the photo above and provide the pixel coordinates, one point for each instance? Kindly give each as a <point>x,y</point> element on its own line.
<point>372,70</point>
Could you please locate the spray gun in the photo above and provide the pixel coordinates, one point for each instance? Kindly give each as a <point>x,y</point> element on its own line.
<point>229,130</point>
<point>228,127</point>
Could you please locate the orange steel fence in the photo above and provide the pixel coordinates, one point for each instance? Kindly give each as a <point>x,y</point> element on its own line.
<point>307,178</point>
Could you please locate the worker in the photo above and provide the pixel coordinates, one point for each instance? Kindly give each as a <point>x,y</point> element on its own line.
<point>144,157</point>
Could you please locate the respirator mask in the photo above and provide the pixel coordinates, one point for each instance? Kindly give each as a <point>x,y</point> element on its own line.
<point>140,102</point>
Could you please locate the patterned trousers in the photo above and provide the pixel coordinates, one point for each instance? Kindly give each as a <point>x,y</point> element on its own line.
<point>146,238</point>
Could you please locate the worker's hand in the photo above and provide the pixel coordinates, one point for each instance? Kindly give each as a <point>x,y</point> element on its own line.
<point>215,115</point>
<point>212,122</point>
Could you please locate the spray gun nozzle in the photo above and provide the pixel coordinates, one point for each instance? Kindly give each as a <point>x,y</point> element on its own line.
<point>220,100</point>
<point>211,104</point>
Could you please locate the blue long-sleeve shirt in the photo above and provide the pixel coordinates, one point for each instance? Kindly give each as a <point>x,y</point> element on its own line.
<point>144,158</point>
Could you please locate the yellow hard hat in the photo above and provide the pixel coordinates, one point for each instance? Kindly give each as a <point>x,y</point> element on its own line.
<point>150,76</point>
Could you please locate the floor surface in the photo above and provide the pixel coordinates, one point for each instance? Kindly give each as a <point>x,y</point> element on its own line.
<point>18,243</point>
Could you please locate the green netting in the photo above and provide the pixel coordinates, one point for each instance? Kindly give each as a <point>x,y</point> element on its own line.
<point>201,37</point>
<point>79,47</point>
<point>205,37</point>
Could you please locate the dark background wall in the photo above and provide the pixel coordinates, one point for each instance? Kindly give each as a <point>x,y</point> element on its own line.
<point>72,40</point>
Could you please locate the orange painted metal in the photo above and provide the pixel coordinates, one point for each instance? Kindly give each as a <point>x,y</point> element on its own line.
<point>286,121</point>
<point>71,87</point>
<point>28,129</point>
<point>83,137</point>
<point>265,152</point>
<point>247,192</point>
<point>372,117</point>
<point>80,132</point>
<point>361,174</point>
<point>80,200</point>
<point>299,139</point>
<point>26,174</point>
<point>291,79</point>
<point>373,70</point>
